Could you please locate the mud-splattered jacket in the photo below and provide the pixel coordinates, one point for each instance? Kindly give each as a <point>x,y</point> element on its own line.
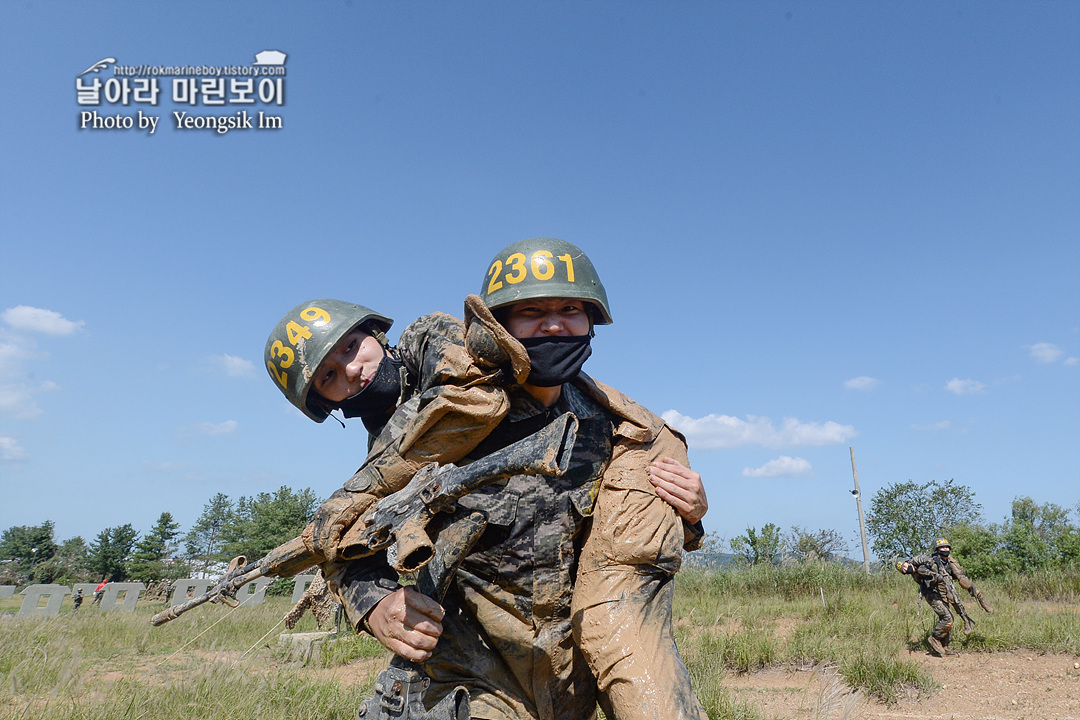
<point>456,404</point>
<point>515,589</point>
<point>927,574</point>
<point>508,632</point>
<point>950,566</point>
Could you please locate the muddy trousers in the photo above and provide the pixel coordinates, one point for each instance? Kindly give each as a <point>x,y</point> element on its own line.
<point>943,629</point>
<point>626,636</point>
<point>514,668</point>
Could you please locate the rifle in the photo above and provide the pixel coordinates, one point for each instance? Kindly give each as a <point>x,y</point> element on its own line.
<point>955,597</point>
<point>401,518</point>
<point>399,689</point>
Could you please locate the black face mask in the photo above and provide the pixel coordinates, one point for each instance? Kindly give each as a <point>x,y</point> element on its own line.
<point>379,397</point>
<point>555,360</point>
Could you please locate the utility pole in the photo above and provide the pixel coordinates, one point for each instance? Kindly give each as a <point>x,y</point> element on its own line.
<point>862,525</point>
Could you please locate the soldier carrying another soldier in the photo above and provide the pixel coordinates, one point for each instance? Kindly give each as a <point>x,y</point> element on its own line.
<point>934,574</point>
<point>605,524</point>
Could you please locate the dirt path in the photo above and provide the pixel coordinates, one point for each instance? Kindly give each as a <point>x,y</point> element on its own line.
<point>976,686</point>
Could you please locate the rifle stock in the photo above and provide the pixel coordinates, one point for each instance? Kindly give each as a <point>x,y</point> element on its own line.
<point>402,517</point>
<point>955,599</point>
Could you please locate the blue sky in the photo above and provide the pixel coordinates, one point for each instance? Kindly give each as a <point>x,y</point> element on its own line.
<point>820,225</point>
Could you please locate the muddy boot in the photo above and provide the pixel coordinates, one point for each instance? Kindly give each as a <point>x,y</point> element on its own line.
<point>936,645</point>
<point>969,625</point>
<point>985,605</point>
<point>950,651</point>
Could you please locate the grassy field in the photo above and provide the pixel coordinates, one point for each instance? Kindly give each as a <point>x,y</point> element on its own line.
<point>216,661</point>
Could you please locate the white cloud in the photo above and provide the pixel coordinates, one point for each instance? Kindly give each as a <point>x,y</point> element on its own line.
<point>723,431</point>
<point>234,366</point>
<point>11,451</point>
<point>780,467</point>
<point>1046,352</point>
<point>18,352</point>
<point>206,428</point>
<point>964,387</point>
<point>47,322</point>
<point>12,355</point>
<point>17,401</point>
<point>862,383</point>
<point>1071,361</point>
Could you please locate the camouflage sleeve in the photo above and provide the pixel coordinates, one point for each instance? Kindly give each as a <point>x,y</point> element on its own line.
<point>961,577</point>
<point>923,567</point>
<point>360,585</point>
<point>693,536</point>
<point>459,404</point>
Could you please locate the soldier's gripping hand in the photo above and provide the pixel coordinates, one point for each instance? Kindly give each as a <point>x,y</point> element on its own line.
<point>680,487</point>
<point>332,518</point>
<point>407,623</point>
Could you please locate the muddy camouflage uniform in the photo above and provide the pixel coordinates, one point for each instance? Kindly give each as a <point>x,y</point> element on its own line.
<point>457,405</point>
<point>950,565</point>
<point>548,593</point>
<point>935,591</point>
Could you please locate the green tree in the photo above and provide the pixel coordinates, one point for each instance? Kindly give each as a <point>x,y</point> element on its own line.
<point>977,548</point>
<point>69,564</point>
<point>264,521</point>
<point>1036,536</point>
<point>110,551</point>
<point>905,518</point>
<point>153,556</point>
<point>807,546</point>
<point>27,546</point>
<point>759,547</point>
<point>205,541</point>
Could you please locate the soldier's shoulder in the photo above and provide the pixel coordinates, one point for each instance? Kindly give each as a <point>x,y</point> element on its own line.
<point>434,325</point>
<point>429,338</point>
<point>620,404</point>
<point>635,422</point>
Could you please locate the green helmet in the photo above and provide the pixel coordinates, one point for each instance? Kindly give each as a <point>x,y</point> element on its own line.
<point>940,543</point>
<point>305,336</point>
<point>544,268</point>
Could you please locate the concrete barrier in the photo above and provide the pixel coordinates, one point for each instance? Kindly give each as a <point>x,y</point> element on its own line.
<point>304,648</point>
<point>124,596</point>
<point>130,590</point>
<point>254,592</point>
<point>32,595</point>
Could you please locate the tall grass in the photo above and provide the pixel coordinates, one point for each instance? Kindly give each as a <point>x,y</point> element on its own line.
<point>864,624</point>
<point>209,661</point>
<point>1051,585</point>
<point>868,629</point>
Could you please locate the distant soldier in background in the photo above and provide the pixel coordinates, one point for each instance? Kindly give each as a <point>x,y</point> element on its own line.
<point>167,591</point>
<point>77,599</point>
<point>99,591</point>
